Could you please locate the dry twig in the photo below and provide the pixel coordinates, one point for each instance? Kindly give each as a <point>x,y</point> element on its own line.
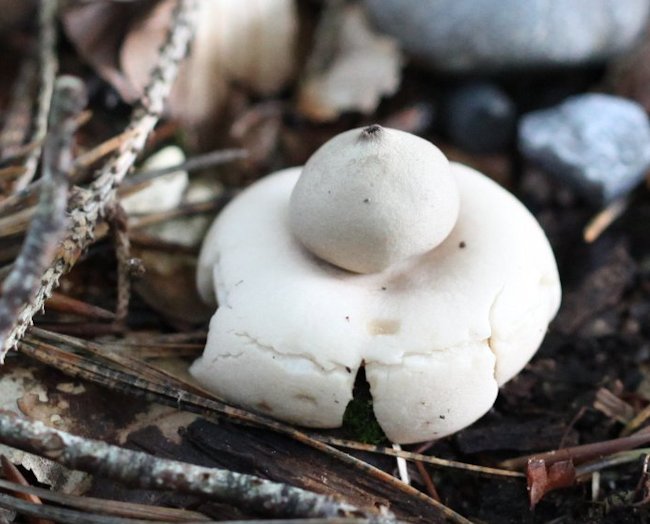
<point>64,515</point>
<point>419,457</point>
<point>48,225</point>
<point>120,228</point>
<point>583,453</point>
<point>107,507</point>
<point>603,219</point>
<point>65,304</point>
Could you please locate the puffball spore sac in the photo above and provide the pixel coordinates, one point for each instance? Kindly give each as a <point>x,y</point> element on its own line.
<point>379,254</point>
<point>372,197</point>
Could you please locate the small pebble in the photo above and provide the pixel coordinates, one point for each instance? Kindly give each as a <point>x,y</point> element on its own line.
<point>489,35</point>
<point>163,193</point>
<point>599,144</point>
<point>480,118</point>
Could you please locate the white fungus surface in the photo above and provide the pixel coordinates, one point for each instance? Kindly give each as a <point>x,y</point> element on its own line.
<point>437,333</point>
<point>371,197</point>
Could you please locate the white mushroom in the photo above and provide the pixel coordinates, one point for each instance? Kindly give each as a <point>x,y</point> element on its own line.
<point>437,333</point>
<point>370,198</point>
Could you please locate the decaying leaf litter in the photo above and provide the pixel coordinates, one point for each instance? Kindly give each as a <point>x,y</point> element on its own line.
<point>105,367</point>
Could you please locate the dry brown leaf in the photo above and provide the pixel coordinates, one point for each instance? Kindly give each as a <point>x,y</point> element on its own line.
<point>542,478</point>
<point>351,68</point>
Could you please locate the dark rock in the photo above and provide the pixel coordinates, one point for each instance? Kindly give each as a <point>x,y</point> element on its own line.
<point>600,144</point>
<point>480,118</point>
<point>482,35</point>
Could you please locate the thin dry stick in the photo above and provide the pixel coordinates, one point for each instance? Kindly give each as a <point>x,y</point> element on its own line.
<point>603,219</point>
<point>47,227</point>
<point>141,469</point>
<point>28,195</point>
<point>65,304</point>
<point>68,516</point>
<point>195,163</point>
<point>17,223</point>
<point>402,468</point>
<point>89,206</point>
<point>120,228</point>
<point>195,208</point>
<point>582,453</point>
<point>624,457</point>
<point>639,419</point>
<point>419,457</point>
<point>48,66</point>
<point>107,507</point>
<point>83,162</point>
<point>20,151</point>
<point>7,173</point>
<point>20,200</point>
<point>426,480</point>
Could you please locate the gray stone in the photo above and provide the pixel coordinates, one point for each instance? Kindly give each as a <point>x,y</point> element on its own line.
<point>600,144</point>
<point>489,35</point>
<point>480,117</point>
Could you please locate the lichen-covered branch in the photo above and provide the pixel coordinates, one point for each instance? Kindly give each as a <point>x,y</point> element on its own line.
<point>48,225</point>
<point>47,66</point>
<point>147,471</point>
<point>90,205</point>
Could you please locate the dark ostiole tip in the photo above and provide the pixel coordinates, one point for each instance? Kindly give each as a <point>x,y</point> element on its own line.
<point>371,132</point>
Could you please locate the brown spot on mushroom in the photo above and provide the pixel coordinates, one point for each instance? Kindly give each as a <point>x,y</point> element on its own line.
<point>462,245</point>
<point>305,398</point>
<point>384,327</point>
<point>263,406</point>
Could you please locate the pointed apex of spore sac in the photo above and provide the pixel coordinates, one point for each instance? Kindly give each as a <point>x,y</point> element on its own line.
<point>372,197</point>
<point>372,132</point>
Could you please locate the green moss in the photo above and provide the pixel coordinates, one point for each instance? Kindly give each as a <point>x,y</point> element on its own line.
<point>360,423</point>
